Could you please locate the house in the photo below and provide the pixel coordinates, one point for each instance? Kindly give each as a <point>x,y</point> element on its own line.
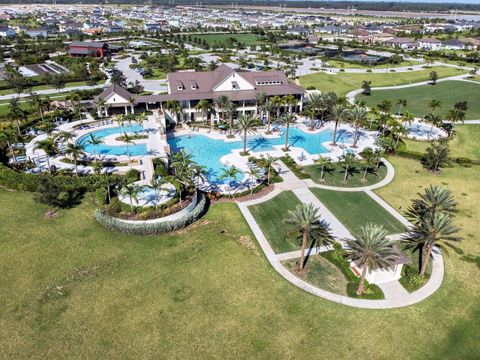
<point>151,27</point>
<point>89,48</point>
<point>38,32</point>
<point>403,43</point>
<point>7,32</point>
<point>299,31</point>
<point>430,44</point>
<point>188,88</point>
<point>455,44</point>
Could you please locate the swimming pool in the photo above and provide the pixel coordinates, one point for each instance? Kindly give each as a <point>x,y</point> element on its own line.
<point>421,130</point>
<point>208,152</point>
<point>114,150</point>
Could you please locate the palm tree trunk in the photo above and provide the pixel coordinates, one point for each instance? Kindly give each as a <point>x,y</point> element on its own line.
<point>365,173</point>
<point>18,127</point>
<point>9,144</point>
<point>346,174</point>
<point>334,143</point>
<point>76,166</point>
<point>321,172</point>
<point>304,246</point>
<point>245,141</point>
<point>355,137</point>
<point>48,164</point>
<point>426,259</point>
<point>286,137</point>
<point>361,286</point>
<point>268,121</point>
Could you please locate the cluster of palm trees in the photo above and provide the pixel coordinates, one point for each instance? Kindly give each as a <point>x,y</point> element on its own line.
<point>432,216</point>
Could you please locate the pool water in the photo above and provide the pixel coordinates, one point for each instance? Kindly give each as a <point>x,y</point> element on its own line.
<point>208,152</point>
<point>114,150</point>
<point>421,130</point>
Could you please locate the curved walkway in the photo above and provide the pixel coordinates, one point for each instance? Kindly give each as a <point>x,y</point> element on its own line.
<point>395,295</point>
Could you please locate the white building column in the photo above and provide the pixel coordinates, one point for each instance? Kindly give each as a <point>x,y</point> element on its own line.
<point>126,110</point>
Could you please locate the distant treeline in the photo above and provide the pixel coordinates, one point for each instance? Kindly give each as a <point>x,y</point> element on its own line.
<point>363,5</point>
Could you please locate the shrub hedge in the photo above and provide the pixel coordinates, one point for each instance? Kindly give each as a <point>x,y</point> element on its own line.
<point>294,167</point>
<point>142,228</point>
<point>22,181</point>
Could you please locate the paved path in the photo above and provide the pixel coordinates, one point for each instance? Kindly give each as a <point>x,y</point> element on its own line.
<point>395,295</point>
<point>54,91</point>
<point>149,85</point>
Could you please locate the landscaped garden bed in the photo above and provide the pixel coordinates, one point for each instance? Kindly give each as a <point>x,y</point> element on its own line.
<point>335,173</point>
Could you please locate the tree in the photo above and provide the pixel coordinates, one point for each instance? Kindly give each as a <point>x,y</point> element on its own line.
<point>127,139</point>
<point>75,150</point>
<point>156,185</point>
<point>230,109</point>
<point>94,141</point>
<point>270,107</point>
<point>306,224</point>
<point>434,105</point>
<point>51,194</point>
<point>371,250</point>
<point>436,155</point>
<point>434,199</point>
<point>433,77</point>
<point>454,115</point>
<point>253,173</point>
<point>7,137</point>
<point>230,173</point>
<point>434,230</point>
<point>369,161</point>
<point>367,87</point>
<point>49,148</point>
<point>358,118</point>
<point>131,190</point>
<point>222,103</point>
<point>261,99</point>
<point>268,162</point>
<point>185,170</point>
<point>402,103</point>
<point>246,124</point>
<point>287,120</point>
<point>433,120</point>
<point>348,162</point>
<point>174,107</point>
<point>16,113</point>
<point>204,106</point>
<point>324,163</point>
<point>339,113</point>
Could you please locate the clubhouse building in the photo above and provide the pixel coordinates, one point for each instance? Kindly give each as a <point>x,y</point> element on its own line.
<point>188,88</point>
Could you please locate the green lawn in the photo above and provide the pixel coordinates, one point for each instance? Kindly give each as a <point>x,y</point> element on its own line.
<point>335,175</point>
<point>71,289</point>
<point>320,273</point>
<point>48,87</point>
<point>464,143</point>
<point>353,65</point>
<point>247,39</point>
<point>342,83</point>
<point>270,215</point>
<point>355,209</point>
<point>418,98</point>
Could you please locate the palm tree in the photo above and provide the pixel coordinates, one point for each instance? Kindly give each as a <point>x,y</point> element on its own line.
<point>94,141</point>
<point>324,163</point>
<point>261,99</point>
<point>436,230</point>
<point>246,123</point>
<point>433,120</point>
<point>359,116</point>
<point>131,190</point>
<point>204,106</point>
<point>120,120</point>
<point>222,102</point>
<point>131,102</point>
<point>268,162</point>
<point>229,173</point>
<point>371,250</point>
<point>434,105</point>
<point>348,161</point>
<point>7,137</point>
<point>16,113</point>
<point>75,150</point>
<point>41,105</point>
<point>230,109</point>
<point>402,103</point>
<point>270,107</point>
<point>287,119</point>
<point>253,173</point>
<point>339,113</point>
<point>434,199</point>
<point>184,170</point>
<point>370,161</point>
<point>127,139</point>
<point>156,185</point>
<point>74,102</point>
<point>455,115</point>
<point>290,101</point>
<point>174,107</point>
<point>49,147</point>
<point>305,222</point>
<point>101,106</point>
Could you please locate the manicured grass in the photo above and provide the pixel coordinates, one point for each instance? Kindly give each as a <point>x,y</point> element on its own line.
<point>201,294</point>
<point>48,87</point>
<point>270,215</point>
<point>355,209</point>
<point>157,75</point>
<point>412,269</point>
<point>247,39</point>
<point>463,144</point>
<point>342,83</point>
<point>320,273</point>
<point>335,175</point>
<point>419,97</point>
<point>353,65</point>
